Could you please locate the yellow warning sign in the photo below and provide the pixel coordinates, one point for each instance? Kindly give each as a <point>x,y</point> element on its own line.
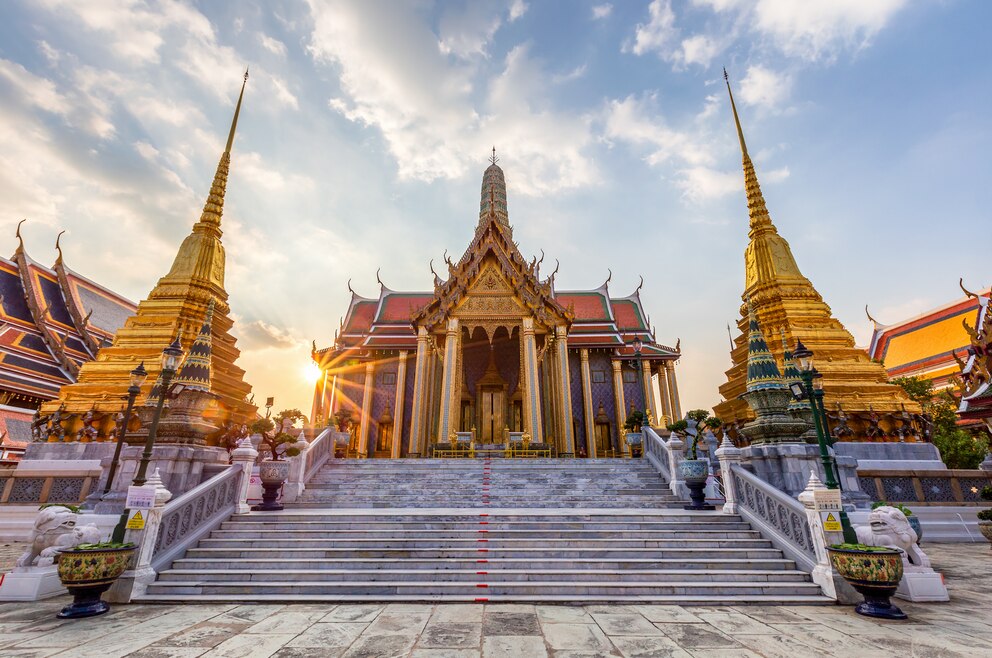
<point>136,522</point>
<point>831,523</point>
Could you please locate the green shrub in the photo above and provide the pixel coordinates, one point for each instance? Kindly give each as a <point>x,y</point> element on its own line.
<point>861,547</point>
<point>985,515</point>
<point>902,508</point>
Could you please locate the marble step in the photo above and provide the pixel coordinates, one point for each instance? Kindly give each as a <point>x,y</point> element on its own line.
<point>490,533</point>
<point>526,588</point>
<point>473,562</point>
<point>485,573</point>
<point>495,524</point>
<point>472,542</point>
<point>234,551</point>
<point>707,599</point>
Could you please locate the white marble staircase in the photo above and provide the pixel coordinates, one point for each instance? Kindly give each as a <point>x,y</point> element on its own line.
<point>481,530</point>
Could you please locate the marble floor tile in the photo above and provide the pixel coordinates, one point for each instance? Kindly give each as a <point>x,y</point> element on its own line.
<point>308,652</point>
<point>381,646</point>
<point>366,612</point>
<point>666,614</point>
<point>510,607</point>
<point>563,614</point>
<point>205,634</point>
<point>446,653</point>
<point>458,612</point>
<point>738,652</point>
<point>291,620</point>
<point>169,652</point>
<point>248,613</point>
<point>329,635</point>
<point>513,646</point>
<point>829,639</point>
<point>510,623</point>
<point>770,614</point>
<point>783,646</point>
<point>577,637</point>
<point>388,623</point>
<point>735,623</point>
<point>255,645</point>
<point>698,636</point>
<point>649,647</point>
<point>451,635</point>
<point>625,624</point>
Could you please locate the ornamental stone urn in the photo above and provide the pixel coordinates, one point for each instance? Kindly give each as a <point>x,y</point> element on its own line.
<point>88,571</point>
<point>695,473</point>
<point>273,474</point>
<point>875,573</point>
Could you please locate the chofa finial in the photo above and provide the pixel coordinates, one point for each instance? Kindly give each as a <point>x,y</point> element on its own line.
<point>960,283</point>
<point>493,159</point>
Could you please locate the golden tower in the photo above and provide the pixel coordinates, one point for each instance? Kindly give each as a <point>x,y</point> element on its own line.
<point>177,304</point>
<point>785,301</point>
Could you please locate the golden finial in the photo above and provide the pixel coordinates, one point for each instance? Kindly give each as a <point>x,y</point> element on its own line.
<point>237,111</point>
<point>493,159</point>
<point>960,283</point>
<point>57,247</point>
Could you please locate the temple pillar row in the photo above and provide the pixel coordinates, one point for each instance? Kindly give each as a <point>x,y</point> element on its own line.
<point>398,407</point>
<point>666,400</point>
<point>449,376</point>
<point>534,426</point>
<point>565,390</point>
<point>620,405</point>
<point>590,420</point>
<point>363,428</point>
<point>647,390</point>
<point>417,416</point>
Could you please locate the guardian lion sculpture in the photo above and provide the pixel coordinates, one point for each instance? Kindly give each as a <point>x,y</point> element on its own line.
<point>887,526</point>
<point>55,529</point>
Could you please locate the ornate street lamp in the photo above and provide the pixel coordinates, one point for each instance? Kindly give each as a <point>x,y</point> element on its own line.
<point>637,344</point>
<point>138,376</point>
<point>811,389</point>
<point>171,356</point>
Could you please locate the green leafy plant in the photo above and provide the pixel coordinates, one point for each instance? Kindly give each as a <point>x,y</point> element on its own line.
<point>958,448</point>
<point>862,547</point>
<point>985,515</point>
<point>902,508</point>
<point>635,420</point>
<point>678,426</point>
<point>986,493</point>
<point>274,435</point>
<point>703,421</point>
<point>104,545</point>
<point>72,508</point>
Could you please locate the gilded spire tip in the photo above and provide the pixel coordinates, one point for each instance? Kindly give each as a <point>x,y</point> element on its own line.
<point>237,112</point>
<point>737,121</point>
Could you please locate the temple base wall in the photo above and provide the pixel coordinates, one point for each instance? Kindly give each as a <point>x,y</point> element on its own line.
<point>787,467</point>
<point>892,456</point>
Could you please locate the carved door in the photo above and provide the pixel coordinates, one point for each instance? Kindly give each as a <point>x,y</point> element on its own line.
<point>492,416</point>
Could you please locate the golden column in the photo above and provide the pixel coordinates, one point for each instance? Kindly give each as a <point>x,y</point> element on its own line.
<point>649,402</point>
<point>565,384</point>
<point>590,421</point>
<point>673,390</point>
<point>448,379</point>
<point>666,401</point>
<point>418,419</point>
<point>620,405</point>
<point>363,429</point>
<point>534,426</point>
<point>398,408</point>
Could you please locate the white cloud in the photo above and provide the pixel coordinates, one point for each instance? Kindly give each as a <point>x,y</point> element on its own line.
<point>765,87</point>
<point>274,46</point>
<point>574,74</point>
<point>699,49</point>
<point>517,9</point>
<point>704,183</point>
<point>39,92</point>
<point>658,33</point>
<point>638,121</point>
<point>600,12</point>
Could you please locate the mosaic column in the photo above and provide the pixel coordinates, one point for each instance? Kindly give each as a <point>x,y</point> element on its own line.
<point>620,405</point>
<point>648,391</point>
<point>590,421</point>
<point>363,429</point>
<point>666,401</point>
<point>673,390</point>
<point>398,413</point>
<point>565,385</point>
<point>448,378</point>
<point>534,427</point>
<point>418,413</point>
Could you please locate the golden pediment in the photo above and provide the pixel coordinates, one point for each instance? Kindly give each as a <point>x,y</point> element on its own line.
<point>489,306</point>
<point>490,281</point>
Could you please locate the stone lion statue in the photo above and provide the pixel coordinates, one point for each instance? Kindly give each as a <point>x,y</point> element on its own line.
<point>55,529</point>
<point>888,527</point>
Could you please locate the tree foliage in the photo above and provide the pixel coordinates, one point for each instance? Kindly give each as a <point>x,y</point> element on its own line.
<point>274,433</point>
<point>958,448</point>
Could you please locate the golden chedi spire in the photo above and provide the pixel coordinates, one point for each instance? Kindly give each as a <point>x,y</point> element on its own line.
<point>785,301</point>
<point>178,305</point>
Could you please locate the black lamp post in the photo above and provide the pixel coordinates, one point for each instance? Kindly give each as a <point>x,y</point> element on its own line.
<point>138,376</point>
<point>811,389</point>
<point>637,344</point>
<point>171,356</point>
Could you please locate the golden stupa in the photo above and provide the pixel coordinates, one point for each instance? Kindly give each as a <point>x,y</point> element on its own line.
<point>785,300</point>
<point>177,305</point>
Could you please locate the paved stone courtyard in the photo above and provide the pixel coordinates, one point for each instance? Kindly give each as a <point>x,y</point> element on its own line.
<point>961,628</point>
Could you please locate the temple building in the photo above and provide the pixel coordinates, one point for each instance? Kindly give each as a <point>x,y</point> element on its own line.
<point>493,355</point>
<point>930,345</point>
<point>86,408</point>
<point>862,402</point>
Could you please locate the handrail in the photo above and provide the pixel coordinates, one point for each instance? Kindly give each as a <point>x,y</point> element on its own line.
<point>195,514</point>
<point>318,452</point>
<point>665,457</point>
<point>779,517</point>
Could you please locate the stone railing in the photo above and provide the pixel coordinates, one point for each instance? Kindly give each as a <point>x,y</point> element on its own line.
<point>937,488</point>
<point>305,465</point>
<point>19,486</point>
<point>778,517</point>
<point>665,457</point>
<point>196,513</point>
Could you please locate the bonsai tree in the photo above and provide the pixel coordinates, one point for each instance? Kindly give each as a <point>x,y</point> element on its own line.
<point>635,420</point>
<point>342,419</point>
<point>703,421</point>
<point>279,442</point>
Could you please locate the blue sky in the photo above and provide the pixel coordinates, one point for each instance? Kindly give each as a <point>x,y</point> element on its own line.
<point>367,125</point>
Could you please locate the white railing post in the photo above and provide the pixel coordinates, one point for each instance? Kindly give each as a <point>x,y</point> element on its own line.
<point>244,456</point>
<point>675,457</point>
<point>135,581</point>
<point>728,454</point>
<point>295,482</point>
<point>823,574</point>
